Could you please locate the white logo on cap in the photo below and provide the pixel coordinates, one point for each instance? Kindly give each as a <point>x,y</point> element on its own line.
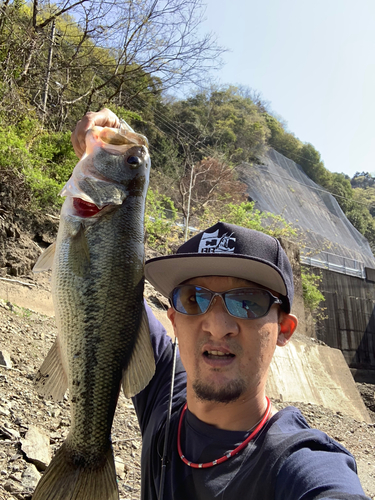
<point>212,243</point>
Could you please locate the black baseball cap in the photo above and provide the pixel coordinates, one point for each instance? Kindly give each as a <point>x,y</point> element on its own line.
<point>226,250</point>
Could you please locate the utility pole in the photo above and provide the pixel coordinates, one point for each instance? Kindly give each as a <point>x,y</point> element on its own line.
<point>188,207</point>
<point>49,65</point>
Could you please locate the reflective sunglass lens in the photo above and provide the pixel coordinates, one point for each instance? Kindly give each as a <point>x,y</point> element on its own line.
<point>248,305</point>
<point>191,300</point>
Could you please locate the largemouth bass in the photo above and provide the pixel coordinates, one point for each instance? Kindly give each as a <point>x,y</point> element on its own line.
<point>97,286</point>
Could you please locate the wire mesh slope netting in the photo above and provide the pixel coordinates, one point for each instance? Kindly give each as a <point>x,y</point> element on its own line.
<point>328,239</point>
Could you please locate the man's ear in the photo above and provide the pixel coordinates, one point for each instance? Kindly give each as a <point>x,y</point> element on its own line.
<point>171,313</point>
<point>287,325</point>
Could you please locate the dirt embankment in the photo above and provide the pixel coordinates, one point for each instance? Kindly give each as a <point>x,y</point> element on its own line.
<point>22,233</point>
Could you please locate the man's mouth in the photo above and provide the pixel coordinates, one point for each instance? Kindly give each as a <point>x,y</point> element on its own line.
<point>217,355</point>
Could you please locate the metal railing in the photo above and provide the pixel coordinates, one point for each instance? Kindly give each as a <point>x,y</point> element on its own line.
<point>336,263</point>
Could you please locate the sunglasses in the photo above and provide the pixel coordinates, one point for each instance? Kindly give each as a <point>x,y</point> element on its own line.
<point>243,303</point>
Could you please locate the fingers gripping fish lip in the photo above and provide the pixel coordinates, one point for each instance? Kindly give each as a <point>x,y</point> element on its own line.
<point>101,178</point>
<point>114,140</point>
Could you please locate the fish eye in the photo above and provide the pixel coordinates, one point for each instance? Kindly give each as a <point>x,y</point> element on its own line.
<point>134,160</point>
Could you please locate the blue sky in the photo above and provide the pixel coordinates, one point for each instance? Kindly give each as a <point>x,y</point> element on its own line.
<point>314,61</point>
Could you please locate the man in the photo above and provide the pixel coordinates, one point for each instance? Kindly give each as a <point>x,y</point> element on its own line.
<point>231,292</point>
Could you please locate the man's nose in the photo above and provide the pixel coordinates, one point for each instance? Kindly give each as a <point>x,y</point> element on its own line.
<point>217,321</point>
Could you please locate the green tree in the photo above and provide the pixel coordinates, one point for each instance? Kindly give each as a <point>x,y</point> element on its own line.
<point>362,180</point>
<point>280,140</point>
<point>221,121</point>
<point>102,52</point>
<point>310,160</point>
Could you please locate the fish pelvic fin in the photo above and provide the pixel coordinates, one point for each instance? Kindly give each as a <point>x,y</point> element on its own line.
<point>45,260</point>
<point>71,478</point>
<point>51,379</point>
<point>141,367</point>
<point>79,253</point>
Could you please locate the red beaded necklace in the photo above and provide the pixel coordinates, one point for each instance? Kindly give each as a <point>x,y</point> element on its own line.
<point>228,455</point>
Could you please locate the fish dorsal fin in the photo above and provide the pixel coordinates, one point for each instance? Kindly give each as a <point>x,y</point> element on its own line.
<point>141,367</point>
<point>45,261</point>
<point>51,379</point>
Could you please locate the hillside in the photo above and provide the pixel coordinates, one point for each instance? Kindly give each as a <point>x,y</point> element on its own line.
<point>280,186</point>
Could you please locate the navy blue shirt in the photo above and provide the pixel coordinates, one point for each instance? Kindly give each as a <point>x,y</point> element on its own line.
<point>286,461</point>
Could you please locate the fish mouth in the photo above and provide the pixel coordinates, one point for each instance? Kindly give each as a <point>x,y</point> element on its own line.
<point>84,208</point>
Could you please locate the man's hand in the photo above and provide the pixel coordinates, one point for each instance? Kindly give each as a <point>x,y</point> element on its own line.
<point>103,118</point>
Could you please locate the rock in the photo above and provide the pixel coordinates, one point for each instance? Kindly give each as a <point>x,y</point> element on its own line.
<point>16,476</point>
<point>30,477</point>
<point>36,447</point>
<point>4,411</point>
<point>135,445</point>
<point>120,467</point>
<point>9,432</point>
<point>5,359</point>
<point>12,486</point>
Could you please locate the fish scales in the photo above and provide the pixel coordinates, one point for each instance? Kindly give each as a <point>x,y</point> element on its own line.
<point>103,339</point>
<point>114,310</point>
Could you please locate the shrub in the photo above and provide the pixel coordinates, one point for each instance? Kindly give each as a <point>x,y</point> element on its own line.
<point>312,296</point>
<point>246,215</point>
<point>44,163</point>
<point>160,218</point>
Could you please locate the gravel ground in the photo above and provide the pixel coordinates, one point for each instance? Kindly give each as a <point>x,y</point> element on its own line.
<point>27,337</point>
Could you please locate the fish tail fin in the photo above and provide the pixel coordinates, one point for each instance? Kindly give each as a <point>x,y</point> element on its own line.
<point>69,479</point>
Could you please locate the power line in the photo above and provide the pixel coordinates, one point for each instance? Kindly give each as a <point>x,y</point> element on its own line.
<point>186,133</point>
<point>291,179</point>
<point>174,127</point>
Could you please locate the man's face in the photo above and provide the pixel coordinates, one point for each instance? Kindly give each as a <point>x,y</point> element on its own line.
<point>227,358</point>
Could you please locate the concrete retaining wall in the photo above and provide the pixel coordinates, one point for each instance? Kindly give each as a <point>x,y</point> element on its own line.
<point>350,318</point>
<point>310,373</point>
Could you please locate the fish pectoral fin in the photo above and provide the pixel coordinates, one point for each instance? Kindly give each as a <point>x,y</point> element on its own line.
<point>67,479</point>
<point>79,254</point>
<point>51,379</point>
<point>45,260</point>
<point>141,367</point>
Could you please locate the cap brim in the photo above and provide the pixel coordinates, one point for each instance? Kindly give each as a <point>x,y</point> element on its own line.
<point>165,273</point>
